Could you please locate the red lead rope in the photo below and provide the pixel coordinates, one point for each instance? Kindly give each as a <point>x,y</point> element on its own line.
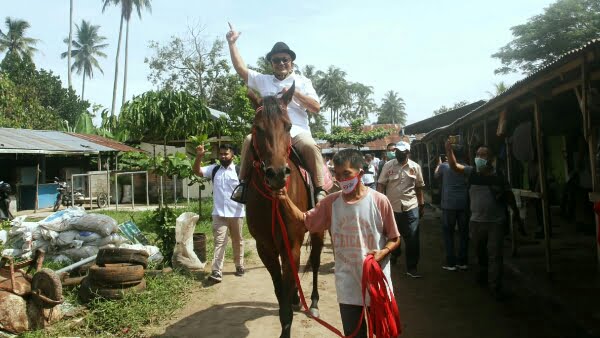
<point>383,312</point>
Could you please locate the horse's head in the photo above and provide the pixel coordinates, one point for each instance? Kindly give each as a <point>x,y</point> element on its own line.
<point>272,140</point>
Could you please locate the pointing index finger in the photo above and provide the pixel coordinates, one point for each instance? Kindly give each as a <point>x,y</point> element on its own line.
<point>230,25</point>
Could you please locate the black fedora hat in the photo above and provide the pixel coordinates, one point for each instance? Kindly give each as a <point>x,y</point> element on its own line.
<point>281,47</point>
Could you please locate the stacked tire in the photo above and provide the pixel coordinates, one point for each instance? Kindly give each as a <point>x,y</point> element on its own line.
<point>117,272</point>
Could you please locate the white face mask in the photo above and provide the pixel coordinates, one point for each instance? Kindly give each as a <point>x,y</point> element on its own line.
<point>350,184</point>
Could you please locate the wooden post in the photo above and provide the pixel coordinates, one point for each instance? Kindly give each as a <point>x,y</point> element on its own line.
<point>37,184</point>
<point>543,186</point>
<point>513,230</point>
<point>592,138</point>
<point>427,145</point>
<point>485,132</point>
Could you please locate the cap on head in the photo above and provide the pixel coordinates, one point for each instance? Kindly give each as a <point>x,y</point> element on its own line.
<point>281,47</point>
<point>403,146</point>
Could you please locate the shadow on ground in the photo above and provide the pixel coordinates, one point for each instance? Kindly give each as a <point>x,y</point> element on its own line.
<point>224,320</point>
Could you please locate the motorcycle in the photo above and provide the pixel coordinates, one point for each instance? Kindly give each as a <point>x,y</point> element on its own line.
<point>5,213</point>
<point>64,195</point>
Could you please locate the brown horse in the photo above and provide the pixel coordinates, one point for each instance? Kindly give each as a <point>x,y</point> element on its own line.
<point>271,145</point>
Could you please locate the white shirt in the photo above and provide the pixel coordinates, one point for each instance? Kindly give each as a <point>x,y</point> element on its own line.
<point>369,176</point>
<point>269,85</point>
<point>226,179</point>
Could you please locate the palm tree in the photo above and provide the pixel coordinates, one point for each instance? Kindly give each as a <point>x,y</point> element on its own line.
<point>87,48</point>
<point>14,39</point>
<point>362,102</point>
<point>70,44</point>
<point>126,10</point>
<point>333,89</point>
<point>499,88</point>
<point>392,109</point>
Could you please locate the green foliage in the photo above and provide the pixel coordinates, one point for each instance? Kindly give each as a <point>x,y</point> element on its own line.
<point>14,41</point>
<point>564,25</point>
<point>333,89</point>
<point>86,48</point>
<point>165,115</point>
<point>238,121</point>
<point>317,123</point>
<point>35,99</point>
<point>444,109</point>
<point>194,65</point>
<point>355,135</point>
<point>392,109</point>
<point>162,223</point>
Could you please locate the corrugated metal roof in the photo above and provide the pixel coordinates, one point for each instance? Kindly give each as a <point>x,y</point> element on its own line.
<point>216,113</point>
<point>440,120</point>
<point>103,141</point>
<point>26,141</point>
<point>562,59</point>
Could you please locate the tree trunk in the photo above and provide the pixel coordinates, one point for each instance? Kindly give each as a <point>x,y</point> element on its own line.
<point>70,44</point>
<point>83,87</point>
<point>114,99</point>
<point>126,62</point>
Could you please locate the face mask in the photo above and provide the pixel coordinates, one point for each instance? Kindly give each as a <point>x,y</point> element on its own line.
<point>480,163</point>
<point>350,184</point>
<point>391,155</point>
<point>225,163</point>
<point>401,157</point>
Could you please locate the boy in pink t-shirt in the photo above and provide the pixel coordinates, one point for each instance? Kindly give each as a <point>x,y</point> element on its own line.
<point>361,222</point>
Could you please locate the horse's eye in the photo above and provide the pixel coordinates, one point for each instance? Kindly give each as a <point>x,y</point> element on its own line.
<point>288,128</point>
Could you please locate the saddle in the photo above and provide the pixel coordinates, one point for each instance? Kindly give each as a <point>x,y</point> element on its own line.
<point>298,161</point>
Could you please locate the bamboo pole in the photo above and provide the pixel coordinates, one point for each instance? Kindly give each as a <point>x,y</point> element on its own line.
<point>543,185</point>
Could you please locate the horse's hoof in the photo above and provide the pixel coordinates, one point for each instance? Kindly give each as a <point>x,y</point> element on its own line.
<point>296,307</point>
<point>314,312</point>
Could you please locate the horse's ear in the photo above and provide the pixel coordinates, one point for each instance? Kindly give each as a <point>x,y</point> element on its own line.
<point>287,96</point>
<point>255,100</point>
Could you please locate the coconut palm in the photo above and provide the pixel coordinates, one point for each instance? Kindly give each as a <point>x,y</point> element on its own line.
<point>88,46</point>
<point>392,109</point>
<point>333,89</point>
<point>499,88</point>
<point>13,40</point>
<point>127,7</point>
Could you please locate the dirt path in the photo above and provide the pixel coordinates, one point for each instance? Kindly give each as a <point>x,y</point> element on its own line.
<point>247,307</point>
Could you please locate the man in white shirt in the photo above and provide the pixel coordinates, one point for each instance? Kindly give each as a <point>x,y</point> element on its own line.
<point>227,214</point>
<point>305,100</point>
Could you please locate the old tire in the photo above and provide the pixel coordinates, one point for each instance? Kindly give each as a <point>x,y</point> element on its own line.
<point>89,290</point>
<point>47,284</point>
<point>116,275</point>
<point>102,200</point>
<point>118,255</point>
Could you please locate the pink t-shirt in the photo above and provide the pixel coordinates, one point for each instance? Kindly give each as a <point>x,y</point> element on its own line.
<point>356,228</point>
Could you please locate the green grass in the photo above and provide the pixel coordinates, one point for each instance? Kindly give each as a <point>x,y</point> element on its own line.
<point>127,317</point>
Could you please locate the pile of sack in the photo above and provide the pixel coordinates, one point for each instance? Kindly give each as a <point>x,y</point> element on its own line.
<point>68,235</point>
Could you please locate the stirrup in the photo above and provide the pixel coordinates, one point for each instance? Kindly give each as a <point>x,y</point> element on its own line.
<point>239,193</point>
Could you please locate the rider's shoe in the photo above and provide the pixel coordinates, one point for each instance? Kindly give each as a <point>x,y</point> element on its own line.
<point>320,195</point>
<point>239,193</point>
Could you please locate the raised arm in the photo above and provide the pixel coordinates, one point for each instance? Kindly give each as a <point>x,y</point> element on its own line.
<point>459,168</point>
<point>199,155</point>
<point>236,58</point>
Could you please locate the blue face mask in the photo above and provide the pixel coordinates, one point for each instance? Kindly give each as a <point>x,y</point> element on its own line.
<point>480,163</point>
<point>391,155</point>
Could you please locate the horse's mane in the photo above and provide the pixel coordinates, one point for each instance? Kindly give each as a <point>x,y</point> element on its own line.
<point>272,109</point>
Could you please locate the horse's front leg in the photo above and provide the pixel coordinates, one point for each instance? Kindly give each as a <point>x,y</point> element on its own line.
<point>317,241</point>
<point>289,290</point>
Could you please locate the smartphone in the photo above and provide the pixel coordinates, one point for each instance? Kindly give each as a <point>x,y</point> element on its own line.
<point>454,139</point>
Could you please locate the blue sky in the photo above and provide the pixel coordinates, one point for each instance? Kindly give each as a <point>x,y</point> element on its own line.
<point>432,53</point>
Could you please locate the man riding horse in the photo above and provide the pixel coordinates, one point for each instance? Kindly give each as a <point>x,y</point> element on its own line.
<point>305,100</point>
